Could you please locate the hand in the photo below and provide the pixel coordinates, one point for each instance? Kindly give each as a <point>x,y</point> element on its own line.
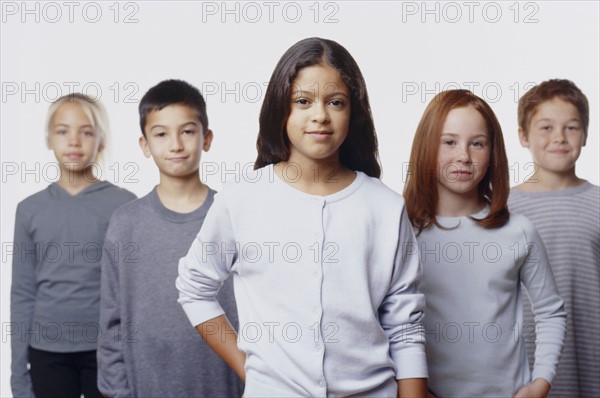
<point>539,388</point>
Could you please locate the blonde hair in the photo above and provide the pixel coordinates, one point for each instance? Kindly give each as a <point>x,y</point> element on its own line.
<point>93,109</point>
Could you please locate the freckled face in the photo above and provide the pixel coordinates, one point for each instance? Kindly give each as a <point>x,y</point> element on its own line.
<point>555,136</point>
<point>463,153</point>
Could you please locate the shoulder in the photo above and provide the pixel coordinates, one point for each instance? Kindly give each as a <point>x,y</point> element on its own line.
<point>117,192</point>
<point>248,182</point>
<point>126,215</point>
<point>380,193</point>
<point>521,225</point>
<point>593,190</point>
<point>34,202</point>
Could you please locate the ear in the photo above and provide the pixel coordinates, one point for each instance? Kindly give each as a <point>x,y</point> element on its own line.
<point>101,146</point>
<point>144,145</point>
<point>523,139</point>
<point>208,137</point>
<point>584,139</point>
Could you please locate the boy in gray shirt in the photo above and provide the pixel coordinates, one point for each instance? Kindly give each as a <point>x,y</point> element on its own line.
<point>147,347</point>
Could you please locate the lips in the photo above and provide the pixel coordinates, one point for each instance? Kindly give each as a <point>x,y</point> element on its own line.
<point>74,155</point>
<point>319,135</point>
<point>559,151</point>
<point>178,158</point>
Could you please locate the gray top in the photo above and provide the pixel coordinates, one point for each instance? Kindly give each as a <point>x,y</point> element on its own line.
<point>148,347</point>
<point>55,292</point>
<point>568,221</point>
<point>472,281</point>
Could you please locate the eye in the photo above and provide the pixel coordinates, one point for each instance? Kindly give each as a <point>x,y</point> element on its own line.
<point>573,128</point>
<point>448,142</point>
<point>478,144</point>
<point>188,131</point>
<point>546,127</point>
<point>88,133</point>
<point>301,101</point>
<point>161,134</point>
<point>338,103</point>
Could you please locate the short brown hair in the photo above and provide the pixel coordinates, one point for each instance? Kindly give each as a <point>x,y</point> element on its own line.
<point>564,89</point>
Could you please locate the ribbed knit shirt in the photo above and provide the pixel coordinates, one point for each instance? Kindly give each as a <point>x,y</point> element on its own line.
<point>568,221</point>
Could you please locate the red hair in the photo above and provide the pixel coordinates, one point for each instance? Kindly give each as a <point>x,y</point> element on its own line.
<point>420,191</point>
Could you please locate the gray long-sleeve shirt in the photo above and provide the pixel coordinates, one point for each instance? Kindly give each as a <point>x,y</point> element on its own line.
<point>148,347</point>
<point>472,279</point>
<point>55,291</point>
<point>568,221</point>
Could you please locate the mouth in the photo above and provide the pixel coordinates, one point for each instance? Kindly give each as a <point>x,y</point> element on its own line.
<point>74,155</point>
<point>319,133</point>
<point>178,158</point>
<point>462,175</point>
<point>559,151</point>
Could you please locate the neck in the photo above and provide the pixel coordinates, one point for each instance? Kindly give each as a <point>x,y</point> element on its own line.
<point>458,205</point>
<point>544,180</point>
<point>182,194</point>
<point>321,177</point>
<point>76,181</point>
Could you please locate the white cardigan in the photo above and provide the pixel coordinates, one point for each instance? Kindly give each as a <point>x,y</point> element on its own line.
<point>326,286</point>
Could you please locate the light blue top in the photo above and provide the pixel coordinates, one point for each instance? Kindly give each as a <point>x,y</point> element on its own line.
<point>472,280</point>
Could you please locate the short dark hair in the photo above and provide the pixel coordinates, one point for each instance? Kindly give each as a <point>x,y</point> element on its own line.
<point>172,92</point>
<point>359,149</point>
<point>564,89</point>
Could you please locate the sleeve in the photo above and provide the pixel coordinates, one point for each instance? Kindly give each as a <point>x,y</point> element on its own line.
<point>548,309</point>
<point>22,303</point>
<point>401,313</point>
<point>112,375</point>
<point>207,264</point>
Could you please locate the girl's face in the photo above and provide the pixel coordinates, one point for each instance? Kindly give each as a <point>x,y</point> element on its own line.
<point>73,139</point>
<point>463,154</point>
<point>320,115</point>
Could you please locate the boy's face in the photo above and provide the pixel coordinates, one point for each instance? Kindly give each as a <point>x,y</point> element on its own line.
<point>175,140</point>
<point>555,136</point>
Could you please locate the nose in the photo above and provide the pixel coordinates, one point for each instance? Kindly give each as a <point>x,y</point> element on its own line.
<point>74,139</point>
<point>176,143</point>
<point>463,155</point>
<point>320,113</point>
<point>559,136</point>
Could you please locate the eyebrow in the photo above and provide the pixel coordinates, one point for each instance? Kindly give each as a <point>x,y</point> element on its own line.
<point>547,119</point>
<point>302,93</point>
<point>67,125</point>
<point>156,126</point>
<point>456,135</point>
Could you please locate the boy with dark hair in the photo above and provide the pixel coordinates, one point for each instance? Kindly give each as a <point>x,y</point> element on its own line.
<point>553,124</point>
<point>147,347</point>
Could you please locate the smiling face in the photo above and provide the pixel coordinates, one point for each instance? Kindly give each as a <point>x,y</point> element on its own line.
<point>463,155</point>
<point>320,115</point>
<point>175,140</point>
<point>73,138</point>
<point>555,136</point>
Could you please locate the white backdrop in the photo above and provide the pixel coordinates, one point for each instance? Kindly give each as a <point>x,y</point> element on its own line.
<point>408,52</point>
